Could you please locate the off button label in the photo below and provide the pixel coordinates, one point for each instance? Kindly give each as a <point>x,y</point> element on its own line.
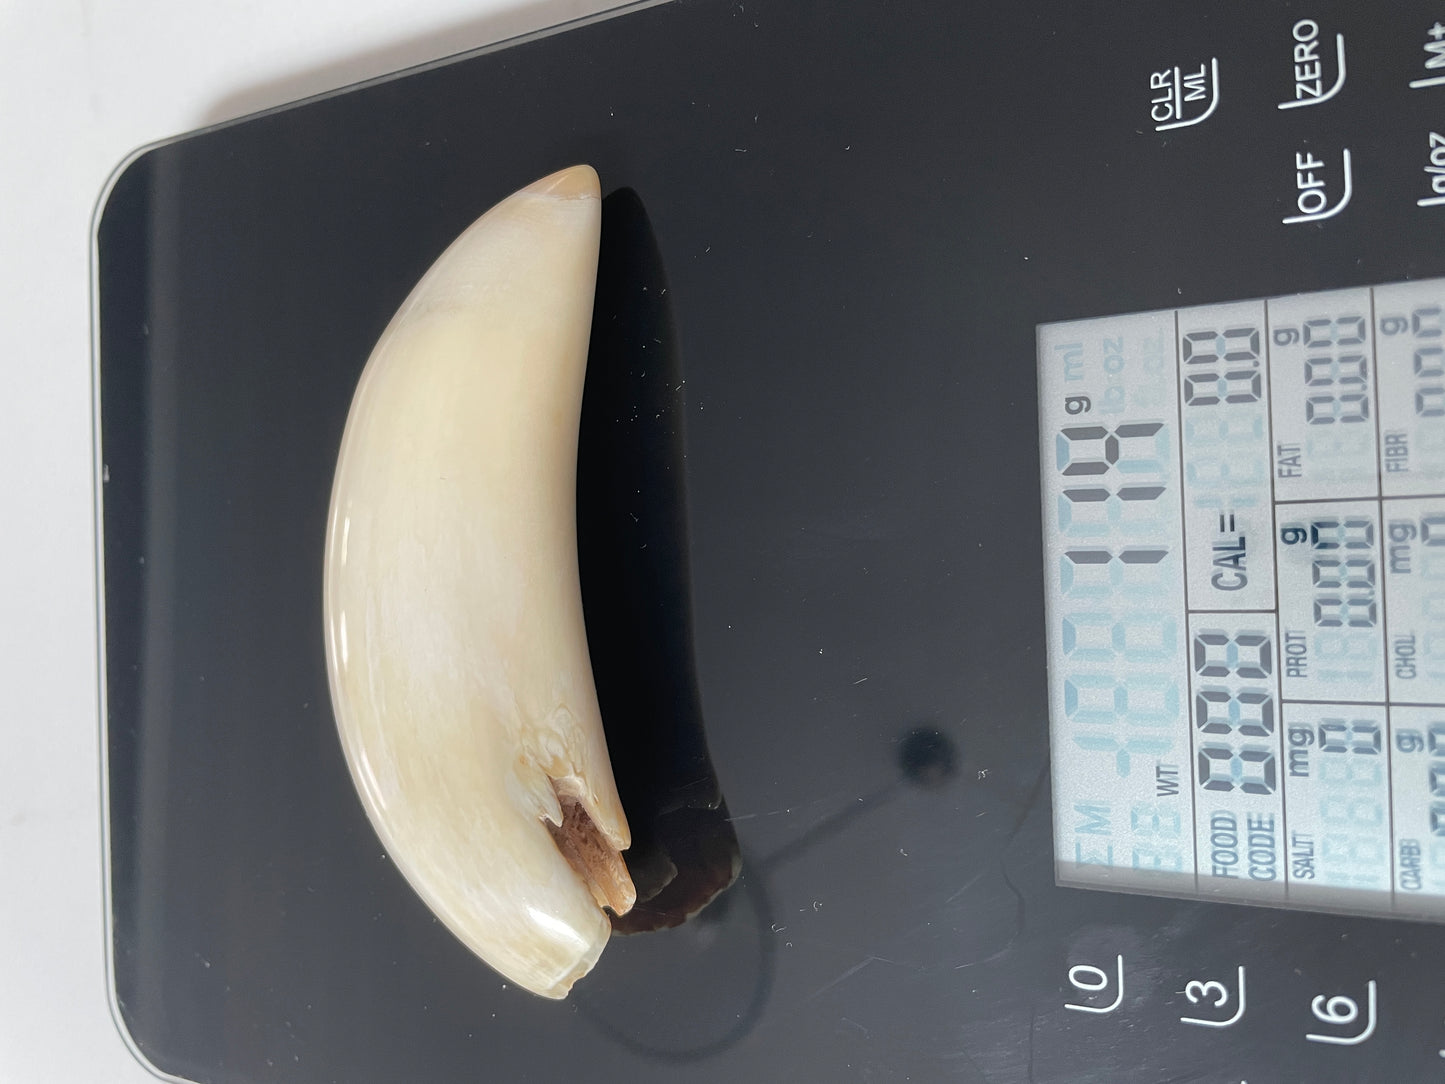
<point>1322,190</point>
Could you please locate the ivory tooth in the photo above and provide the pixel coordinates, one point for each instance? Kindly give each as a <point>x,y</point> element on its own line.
<point>455,644</point>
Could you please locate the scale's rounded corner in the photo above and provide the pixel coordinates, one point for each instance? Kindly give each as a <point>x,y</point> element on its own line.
<point>127,1035</point>
<point>114,181</point>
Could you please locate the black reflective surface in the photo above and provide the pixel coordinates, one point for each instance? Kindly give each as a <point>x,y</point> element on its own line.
<point>863,211</point>
<point>633,560</point>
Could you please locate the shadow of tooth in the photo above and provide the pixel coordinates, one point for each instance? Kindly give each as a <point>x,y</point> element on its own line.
<point>633,552</point>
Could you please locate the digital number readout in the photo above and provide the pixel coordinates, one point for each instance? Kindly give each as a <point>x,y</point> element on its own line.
<point>1244,515</point>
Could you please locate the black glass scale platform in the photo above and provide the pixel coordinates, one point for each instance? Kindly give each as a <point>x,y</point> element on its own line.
<point>853,256</point>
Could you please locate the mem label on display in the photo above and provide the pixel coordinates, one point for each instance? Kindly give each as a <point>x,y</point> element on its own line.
<point>1244,539</point>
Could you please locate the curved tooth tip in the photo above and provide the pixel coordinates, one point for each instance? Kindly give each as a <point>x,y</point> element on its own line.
<point>574,182</point>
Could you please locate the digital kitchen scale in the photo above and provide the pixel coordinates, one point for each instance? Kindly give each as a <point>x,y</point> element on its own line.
<point>1032,528</point>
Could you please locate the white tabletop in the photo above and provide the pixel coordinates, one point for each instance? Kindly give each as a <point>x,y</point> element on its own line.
<point>81,85</point>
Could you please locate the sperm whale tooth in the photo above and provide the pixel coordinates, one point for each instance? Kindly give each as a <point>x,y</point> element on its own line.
<point>455,645</point>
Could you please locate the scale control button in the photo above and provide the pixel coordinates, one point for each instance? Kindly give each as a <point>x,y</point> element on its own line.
<point>1434,58</point>
<point>1183,95</point>
<point>1221,1007</point>
<point>1318,77</point>
<point>1435,172</point>
<point>1316,182</point>
<point>1094,983</point>
<point>1342,1014</point>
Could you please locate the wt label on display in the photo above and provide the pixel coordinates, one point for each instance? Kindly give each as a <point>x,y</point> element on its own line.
<point>1244,514</point>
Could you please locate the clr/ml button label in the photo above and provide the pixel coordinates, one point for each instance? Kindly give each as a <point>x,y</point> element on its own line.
<point>1183,96</point>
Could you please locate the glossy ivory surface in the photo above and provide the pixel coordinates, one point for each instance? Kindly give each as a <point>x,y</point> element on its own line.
<point>455,643</point>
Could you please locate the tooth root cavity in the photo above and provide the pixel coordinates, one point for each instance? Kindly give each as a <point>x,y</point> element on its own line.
<point>596,861</point>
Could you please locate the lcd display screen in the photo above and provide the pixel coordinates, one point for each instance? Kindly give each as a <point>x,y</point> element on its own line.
<point>1244,516</point>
